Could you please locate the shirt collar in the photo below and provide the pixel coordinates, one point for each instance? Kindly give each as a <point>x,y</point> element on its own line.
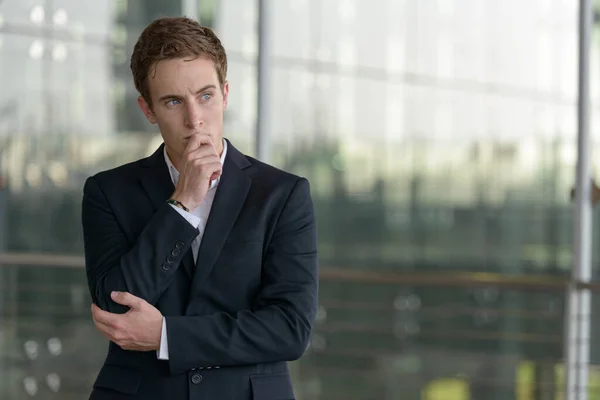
<point>175,174</point>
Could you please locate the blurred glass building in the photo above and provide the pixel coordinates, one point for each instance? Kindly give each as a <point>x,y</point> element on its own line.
<point>439,139</point>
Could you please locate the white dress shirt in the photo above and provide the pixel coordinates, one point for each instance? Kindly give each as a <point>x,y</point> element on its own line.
<point>197,218</point>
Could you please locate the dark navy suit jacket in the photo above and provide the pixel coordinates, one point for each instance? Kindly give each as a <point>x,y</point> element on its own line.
<point>236,316</point>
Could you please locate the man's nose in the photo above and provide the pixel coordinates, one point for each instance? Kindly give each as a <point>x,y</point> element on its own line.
<point>193,116</point>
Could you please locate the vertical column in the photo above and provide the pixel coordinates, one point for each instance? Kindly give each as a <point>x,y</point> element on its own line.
<point>4,284</point>
<point>189,8</point>
<point>262,141</point>
<point>579,300</point>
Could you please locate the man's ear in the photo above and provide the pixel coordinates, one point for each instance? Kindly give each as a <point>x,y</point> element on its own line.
<point>225,94</point>
<point>146,109</point>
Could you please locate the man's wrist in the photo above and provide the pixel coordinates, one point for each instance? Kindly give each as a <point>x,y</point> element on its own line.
<point>178,204</point>
<point>182,200</point>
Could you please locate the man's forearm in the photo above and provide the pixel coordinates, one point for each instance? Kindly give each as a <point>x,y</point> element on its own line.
<point>279,324</point>
<point>272,334</point>
<point>144,269</point>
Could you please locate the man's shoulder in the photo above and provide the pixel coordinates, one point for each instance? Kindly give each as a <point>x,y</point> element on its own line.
<point>119,174</point>
<point>269,174</point>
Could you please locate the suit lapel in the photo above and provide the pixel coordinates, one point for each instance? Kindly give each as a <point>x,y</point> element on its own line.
<point>156,181</point>
<point>227,204</point>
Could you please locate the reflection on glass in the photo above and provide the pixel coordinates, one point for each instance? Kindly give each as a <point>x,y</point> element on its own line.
<point>31,386</point>
<point>36,51</point>
<point>53,382</point>
<point>31,349</point>
<point>59,52</point>
<point>54,346</point>
<point>60,17</point>
<point>37,14</point>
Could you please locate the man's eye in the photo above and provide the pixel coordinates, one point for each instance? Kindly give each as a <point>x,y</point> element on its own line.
<point>173,102</point>
<point>206,96</point>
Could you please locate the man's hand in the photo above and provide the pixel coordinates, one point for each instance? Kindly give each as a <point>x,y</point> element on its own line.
<point>138,329</point>
<point>199,165</point>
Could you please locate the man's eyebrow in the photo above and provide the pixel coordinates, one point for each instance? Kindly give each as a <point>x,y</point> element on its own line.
<point>174,96</point>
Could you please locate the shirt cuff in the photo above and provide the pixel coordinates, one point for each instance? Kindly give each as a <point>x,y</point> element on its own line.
<point>163,352</point>
<point>191,218</point>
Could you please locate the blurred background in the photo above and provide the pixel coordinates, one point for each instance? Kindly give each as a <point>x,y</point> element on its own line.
<point>439,137</point>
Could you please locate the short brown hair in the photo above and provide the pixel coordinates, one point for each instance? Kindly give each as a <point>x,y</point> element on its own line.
<point>174,37</point>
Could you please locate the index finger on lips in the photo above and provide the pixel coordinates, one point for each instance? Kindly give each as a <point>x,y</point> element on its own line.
<point>192,144</point>
<point>197,140</point>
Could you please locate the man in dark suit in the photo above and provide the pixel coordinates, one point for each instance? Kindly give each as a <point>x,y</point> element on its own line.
<point>201,261</point>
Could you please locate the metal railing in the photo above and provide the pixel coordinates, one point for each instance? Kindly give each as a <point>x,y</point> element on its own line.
<point>378,335</point>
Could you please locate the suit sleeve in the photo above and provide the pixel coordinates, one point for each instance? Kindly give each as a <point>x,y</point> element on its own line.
<point>144,268</point>
<point>279,326</point>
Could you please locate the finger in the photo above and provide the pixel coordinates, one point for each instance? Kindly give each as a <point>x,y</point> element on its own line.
<point>104,317</point>
<point>197,140</point>
<point>94,309</point>
<point>192,144</point>
<point>106,331</point>
<point>126,299</point>
<point>215,171</point>
<point>204,162</point>
<point>207,169</point>
<point>206,138</point>
<point>99,315</point>
<point>215,176</point>
<point>112,333</point>
<point>203,151</point>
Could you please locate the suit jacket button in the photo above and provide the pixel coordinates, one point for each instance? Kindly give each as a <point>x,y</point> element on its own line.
<point>166,267</point>
<point>179,245</point>
<point>175,252</point>
<point>170,259</point>
<point>196,378</point>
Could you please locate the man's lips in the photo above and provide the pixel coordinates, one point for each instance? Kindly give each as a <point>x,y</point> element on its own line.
<point>189,136</point>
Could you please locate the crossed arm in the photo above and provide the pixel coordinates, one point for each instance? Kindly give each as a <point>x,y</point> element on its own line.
<point>278,326</point>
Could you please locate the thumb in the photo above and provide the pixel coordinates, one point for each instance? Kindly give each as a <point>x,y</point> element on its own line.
<point>126,299</point>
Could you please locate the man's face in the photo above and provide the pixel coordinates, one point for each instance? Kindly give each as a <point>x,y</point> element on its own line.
<point>186,99</point>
